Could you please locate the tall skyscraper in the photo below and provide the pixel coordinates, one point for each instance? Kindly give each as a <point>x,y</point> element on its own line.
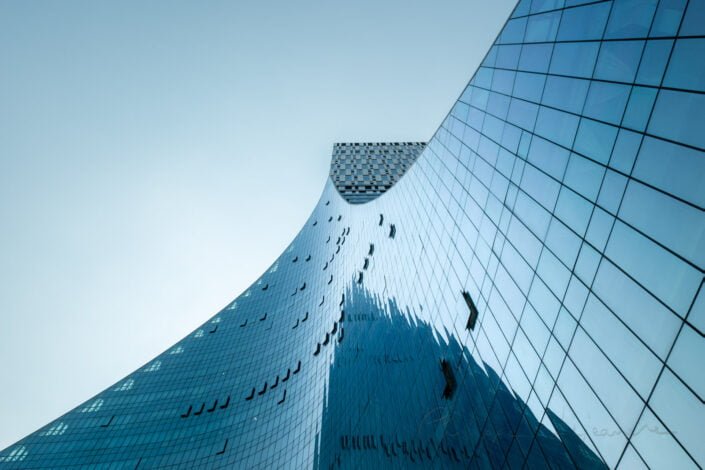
<point>525,289</point>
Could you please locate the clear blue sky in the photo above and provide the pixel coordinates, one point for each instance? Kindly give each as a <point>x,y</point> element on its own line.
<point>156,157</point>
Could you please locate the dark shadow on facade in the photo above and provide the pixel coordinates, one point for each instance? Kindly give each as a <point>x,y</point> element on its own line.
<point>399,394</point>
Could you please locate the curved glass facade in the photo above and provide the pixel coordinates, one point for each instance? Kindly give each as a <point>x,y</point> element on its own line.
<point>529,293</point>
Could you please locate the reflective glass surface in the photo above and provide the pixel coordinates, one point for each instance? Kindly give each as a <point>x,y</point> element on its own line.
<point>529,293</point>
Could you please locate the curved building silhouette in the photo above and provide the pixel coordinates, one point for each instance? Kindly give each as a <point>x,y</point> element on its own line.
<point>524,290</point>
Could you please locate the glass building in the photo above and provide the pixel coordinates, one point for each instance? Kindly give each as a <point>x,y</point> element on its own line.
<point>529,293</point>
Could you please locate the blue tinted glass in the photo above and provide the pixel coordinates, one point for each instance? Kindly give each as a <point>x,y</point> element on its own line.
<point>686,68</point>
<point>535,57</point>
<point>529,86</point>
<point>587,22</point>
<point>611,191</point>
<point>565,93</point>
<point>630,18</point>
<point>503,81</point>
<point>667,18</point>
<point>513,31</point>
<point>606,101</point>
<point>694,20</point>
<point>618,60</point>
<point>673,168</point>
<point>641,101</point>
<point>667,277</point>
<point>599,227</point>
<point>595,140</point>
<point>522,8</point>
<point>523,114</point>
<point>681,410</point>
<point>543,27</point>
<point>689,345</point>
<point>635,361</point>
<point>545,5</point>
<point>679,116</point>
<point>637,308</point>
<point>548,156</point>
<point>508,56</point>
<point>573,210</point>
<point>625,150</point>
<point>574,59</point>
<point>584,176</point>
<point>653,62</point>
<point>557,126</point>
<point>662,218</point>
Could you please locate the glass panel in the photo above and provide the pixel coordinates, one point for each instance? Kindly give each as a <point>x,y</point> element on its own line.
<point>663,218</point>
<point>548,156</point>
<point>630,18</point>
<point>595,140</point>
<point>684,359</point>
<point>575,59</point>
<point>556,125</point>
<point>565,93</point>
<point>653,62</point>
<point>638,309</point>
<point>694,21</point>
<point>529,86</point>
<point>667,18</point>
<point>667,277</point>
<point>618,60</point>
<point>641,101</point>
<point>632,358</point>
<point>625,150</point>
<point>542,28</point>
<point>606,101</point>
<point>535,57</point>
<point>687,67</point>
<point>587,22</point>
<point>679,116</point>
<point>584,176</point>
<point>682,412</point>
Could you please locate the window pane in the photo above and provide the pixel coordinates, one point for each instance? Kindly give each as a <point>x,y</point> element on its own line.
<point>586,22</point>
<point>673,168</point>
<point>618,60</point>
<point>630,18</point>
<point>687,66</point>
<point>574,59</point>
<point>679,116</point>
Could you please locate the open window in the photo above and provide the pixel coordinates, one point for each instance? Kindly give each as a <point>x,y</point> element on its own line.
<point>226,404</point>
<point>472,317</point>
<point>107,423</point>
<point>449,376</point>
<point>222,451</point>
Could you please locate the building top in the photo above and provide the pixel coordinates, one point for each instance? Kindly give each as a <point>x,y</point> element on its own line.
<point>362,171</point>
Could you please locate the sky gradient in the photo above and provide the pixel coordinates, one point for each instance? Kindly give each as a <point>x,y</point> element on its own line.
<point>156,157</point>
